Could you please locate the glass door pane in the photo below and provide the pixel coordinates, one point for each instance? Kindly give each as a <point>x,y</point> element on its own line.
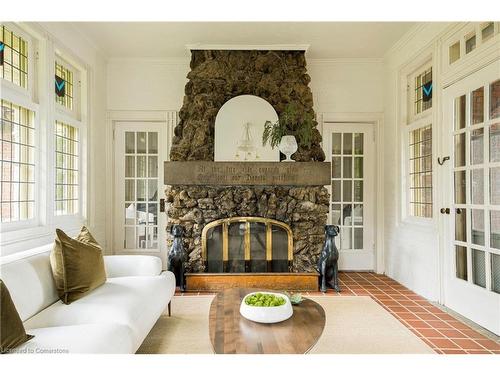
<point>141,190</point>
<point>347,196</point>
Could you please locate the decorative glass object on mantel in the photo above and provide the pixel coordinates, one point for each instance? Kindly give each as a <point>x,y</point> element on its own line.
<point>246,149</point>
<point>292,127</point>
<point>288,146</point>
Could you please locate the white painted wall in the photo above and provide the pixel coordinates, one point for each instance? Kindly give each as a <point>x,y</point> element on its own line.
<point>347,85</point>
<point>146,85</point>
<point>340,85</point>
<point>411,250</point>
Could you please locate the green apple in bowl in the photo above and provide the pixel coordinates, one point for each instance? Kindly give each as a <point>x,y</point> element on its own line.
<point>266,307</point>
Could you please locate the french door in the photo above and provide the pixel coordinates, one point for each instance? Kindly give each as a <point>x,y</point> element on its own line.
<point>139,156</point>
<point>350,149</point>
<point>472,240</point>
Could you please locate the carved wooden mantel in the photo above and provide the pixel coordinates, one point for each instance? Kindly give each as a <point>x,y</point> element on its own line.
<point>247,173</point>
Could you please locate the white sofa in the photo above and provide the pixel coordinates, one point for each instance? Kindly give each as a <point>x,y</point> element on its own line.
<point>114,318</point>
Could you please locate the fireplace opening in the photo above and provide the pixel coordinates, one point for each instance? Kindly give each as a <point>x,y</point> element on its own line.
<point>247,244</point>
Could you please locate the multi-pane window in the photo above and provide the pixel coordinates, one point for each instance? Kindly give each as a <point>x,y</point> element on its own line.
<point>14,67</point>
<point>420,169</point>
<point>64,86</point>
<point>18,163</point>
<point>67,169</point>
<point>418,143</point>
<point>21,115</point>
<point>471,39</point>
<point>423,91</point>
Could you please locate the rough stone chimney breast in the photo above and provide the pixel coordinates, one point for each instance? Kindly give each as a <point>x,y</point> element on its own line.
<point>280,77</point>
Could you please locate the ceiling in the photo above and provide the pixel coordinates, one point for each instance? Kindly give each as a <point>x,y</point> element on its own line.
<point>326,40</point>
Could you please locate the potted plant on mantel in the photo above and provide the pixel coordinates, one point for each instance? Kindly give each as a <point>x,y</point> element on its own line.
<point>290,128</point>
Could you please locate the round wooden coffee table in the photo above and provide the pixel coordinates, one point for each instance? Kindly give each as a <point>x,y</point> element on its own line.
<point>231,333</point>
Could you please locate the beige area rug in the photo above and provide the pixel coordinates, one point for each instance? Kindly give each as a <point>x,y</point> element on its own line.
<point>354,325</point>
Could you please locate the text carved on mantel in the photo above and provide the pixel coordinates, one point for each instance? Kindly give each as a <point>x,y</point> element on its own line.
<point>246,173</point>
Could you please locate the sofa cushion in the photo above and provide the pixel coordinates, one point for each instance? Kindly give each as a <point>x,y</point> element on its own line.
<point>29,278</point>
<point>78,266</point>
<point>84,338</point>
<point>132,265</point>
<point>86,236</point>
<point>135,301</point>
<point>12,333</point>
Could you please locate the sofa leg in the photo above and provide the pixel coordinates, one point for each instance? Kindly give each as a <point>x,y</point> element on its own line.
<point>170,308</point>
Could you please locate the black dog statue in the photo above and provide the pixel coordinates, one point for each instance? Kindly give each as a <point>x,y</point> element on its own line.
<point>328,260</point>
<point>177,256</point>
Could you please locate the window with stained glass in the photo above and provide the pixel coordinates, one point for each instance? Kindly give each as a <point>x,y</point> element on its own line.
<point>418,141</point>
<point>423,91</point>
<point>64,86</point>
<point>14,65</point>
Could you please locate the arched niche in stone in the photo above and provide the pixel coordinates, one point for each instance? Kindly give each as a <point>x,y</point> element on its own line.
<point>238,130</point>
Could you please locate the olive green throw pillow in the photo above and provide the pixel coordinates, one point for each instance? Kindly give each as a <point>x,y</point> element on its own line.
<point>12,333</point>
<point>77,265</point>
<point>86,237</point>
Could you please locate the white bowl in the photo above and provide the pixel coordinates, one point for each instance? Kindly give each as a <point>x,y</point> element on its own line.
<point>270,314</point>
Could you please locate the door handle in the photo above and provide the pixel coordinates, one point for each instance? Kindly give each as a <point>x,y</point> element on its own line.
<point>162,205</point>
<point>445,210</point>
<point>441,161</point>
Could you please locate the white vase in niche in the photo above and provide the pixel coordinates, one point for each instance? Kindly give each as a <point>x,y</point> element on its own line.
<point>288,146</point>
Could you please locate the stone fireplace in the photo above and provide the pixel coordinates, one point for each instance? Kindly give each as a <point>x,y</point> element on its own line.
<point>297,205</point>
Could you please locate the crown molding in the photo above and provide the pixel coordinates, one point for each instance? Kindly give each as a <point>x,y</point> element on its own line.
<point>345,60</point>
<point>248,47</point>
<point>405,38</point>
<point>420,28</point>
<point>173,61</point>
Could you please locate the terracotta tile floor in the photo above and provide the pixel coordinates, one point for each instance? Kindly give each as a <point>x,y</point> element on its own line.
<point>441,331</point>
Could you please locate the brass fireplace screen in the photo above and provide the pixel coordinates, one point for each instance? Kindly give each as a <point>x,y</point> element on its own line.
<point>247,244</point>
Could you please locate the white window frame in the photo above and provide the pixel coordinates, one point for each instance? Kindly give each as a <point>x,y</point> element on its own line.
<point>410,121</point>
<point>417,124</point>
<point>25,97</point>
<point>78,218</point>
<point>70,117</point>
<point>39,97</point>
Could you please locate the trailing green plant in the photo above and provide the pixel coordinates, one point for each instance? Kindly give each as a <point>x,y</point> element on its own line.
<point>290,122</point>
